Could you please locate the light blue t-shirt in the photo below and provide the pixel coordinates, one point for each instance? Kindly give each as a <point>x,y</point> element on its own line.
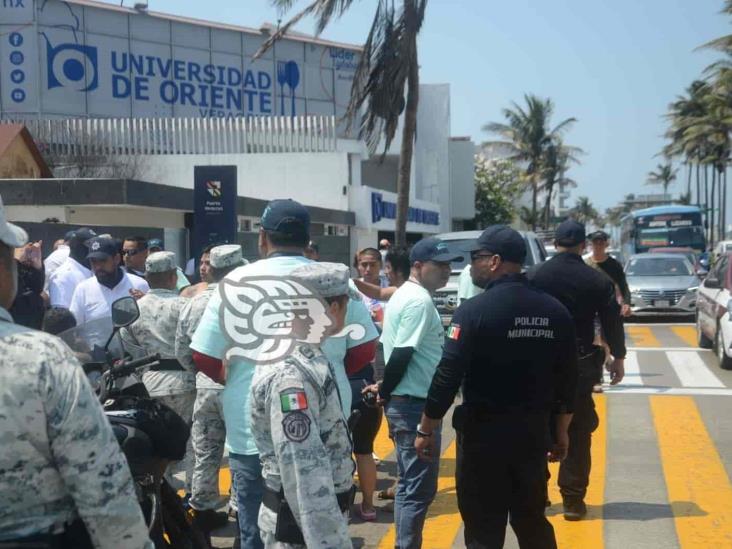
<point>411,320</point>
<point>209,340</point>
<point>466,288</point>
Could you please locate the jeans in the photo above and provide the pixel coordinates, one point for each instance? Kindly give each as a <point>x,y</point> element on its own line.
<point>417,478</point>
<point>246,477</point>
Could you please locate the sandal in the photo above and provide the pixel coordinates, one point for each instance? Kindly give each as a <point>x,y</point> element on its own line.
<point>366,516</point>
<point>385,494</point>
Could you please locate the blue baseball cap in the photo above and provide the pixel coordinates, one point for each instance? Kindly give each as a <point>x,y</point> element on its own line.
<point>286,216</point>
<point>432,249</point>
<point>570,233</point>
<point>501,240</point>
<point>102,247</point>
<point>154,243</point>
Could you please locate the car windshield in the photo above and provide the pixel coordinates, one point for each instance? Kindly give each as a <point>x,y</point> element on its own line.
<point>659,266</point>
<point>458,247</point>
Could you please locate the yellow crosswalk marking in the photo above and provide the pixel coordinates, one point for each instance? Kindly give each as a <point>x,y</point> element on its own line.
<point>224,481</point>
<point>642,336</point>
<point>686,333</point>
<point>698,487</point>
<point>383,446</point>
<point>588,532</point>
<point>443,518</point>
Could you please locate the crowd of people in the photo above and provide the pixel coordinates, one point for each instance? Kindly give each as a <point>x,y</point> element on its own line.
<point>297,427</point>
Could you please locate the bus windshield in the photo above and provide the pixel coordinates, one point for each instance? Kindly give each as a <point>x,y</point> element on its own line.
<point>686,237</point>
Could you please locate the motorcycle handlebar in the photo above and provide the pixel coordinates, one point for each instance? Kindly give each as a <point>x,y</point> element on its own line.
<point>129,367</point>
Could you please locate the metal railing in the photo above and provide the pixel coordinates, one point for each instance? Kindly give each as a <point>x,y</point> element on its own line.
<point>125,136</point>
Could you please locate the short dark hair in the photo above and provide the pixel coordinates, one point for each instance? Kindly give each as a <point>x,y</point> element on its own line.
<point>342,300</point>
<point>207,249</point>
<point>369,251</point>
<point>140,241</point>
<point>287,240</point>
<point>58,320</point>
<point>399,261</point>
<point>219,273</point>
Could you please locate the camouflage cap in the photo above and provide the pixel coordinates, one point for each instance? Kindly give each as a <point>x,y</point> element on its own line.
<point>160,262</point>
<point>226,255</point>
<point>327,279</point>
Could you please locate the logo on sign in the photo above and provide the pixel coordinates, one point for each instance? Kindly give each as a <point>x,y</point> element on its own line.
<point>17,95</point>
<point>72,66</point>
<point>15,39</point>
<point>214,188</point>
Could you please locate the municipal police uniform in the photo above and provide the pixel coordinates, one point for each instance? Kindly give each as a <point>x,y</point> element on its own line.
<point>513,349</point>
<point>208,433</point>
<point>154,332</point>
<point>60,461</point>
<point>302,436</point>
<point>587,294</point>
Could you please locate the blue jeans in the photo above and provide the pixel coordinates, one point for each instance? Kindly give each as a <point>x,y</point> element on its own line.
<point>417,478</point>
<point>247,483</point>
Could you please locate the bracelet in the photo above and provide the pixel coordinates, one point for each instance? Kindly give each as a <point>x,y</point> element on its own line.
<point>421,433</point>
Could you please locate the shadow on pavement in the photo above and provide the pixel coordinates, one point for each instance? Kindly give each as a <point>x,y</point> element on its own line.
<point>629,510</point>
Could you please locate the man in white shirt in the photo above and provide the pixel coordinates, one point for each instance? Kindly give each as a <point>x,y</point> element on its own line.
<point>93,298</point>
<point>73,271</point>
<point>57,257</point>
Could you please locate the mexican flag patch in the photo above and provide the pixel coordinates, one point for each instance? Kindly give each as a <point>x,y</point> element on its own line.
<point>453,332</point>
<point>293,400</point>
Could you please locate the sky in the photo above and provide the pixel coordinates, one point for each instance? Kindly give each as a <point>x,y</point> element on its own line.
<point>615,65</point>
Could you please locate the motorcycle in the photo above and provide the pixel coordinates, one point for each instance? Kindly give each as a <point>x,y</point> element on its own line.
<point>150,434</point>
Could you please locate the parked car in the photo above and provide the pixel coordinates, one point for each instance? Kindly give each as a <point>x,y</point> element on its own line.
<point>723,247</point>
<point>689,253</point>
<point>661,284</point>
<point>713,322</point>
<point>445,299</point>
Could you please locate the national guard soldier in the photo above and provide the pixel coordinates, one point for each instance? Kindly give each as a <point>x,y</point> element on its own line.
<point>208,433</point>
<point>513,349</point>
<point>170,383</point>
<point>64,481</point>
<point>587,294</point>
<point>302,435</point>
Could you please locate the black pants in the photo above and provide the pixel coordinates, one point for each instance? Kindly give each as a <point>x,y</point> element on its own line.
<point>500,477</point>
<point>574,471</point>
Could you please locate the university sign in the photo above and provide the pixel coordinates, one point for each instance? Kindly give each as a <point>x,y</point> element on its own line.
<point>382,209</point>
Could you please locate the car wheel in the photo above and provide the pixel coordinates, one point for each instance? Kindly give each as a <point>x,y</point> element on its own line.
<point>702,340</point>
<point>725,362</point>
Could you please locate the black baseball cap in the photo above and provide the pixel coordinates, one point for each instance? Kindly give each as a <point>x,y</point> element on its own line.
<point>501,240</point>
<point>570,233</point>
<point>286,216</point>
<point>432,249</point>
<point>598,235</point>
<point>81,234</point>
<point>154,243</point>
<point>102,247</point>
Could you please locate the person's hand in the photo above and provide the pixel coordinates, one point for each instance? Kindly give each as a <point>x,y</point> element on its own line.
<point>560,448</point>
<point>374,389</point>
<point>425,447</point>
<point>617,370</point>
<point>625,310</point>
<point>35,255</point>
<point>137,294</point>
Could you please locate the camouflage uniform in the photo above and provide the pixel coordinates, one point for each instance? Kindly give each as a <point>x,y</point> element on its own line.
<point>155,332</point>
<point>59,459</point>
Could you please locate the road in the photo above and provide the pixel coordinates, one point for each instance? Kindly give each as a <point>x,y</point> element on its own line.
<point>662,459</point>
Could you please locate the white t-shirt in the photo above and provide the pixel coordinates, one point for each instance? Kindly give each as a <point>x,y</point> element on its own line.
<point>64,280</point>
<point>92,300</point>
<point>55,259</point>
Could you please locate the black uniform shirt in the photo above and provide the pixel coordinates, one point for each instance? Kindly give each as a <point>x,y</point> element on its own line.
<point>586,293</point>
<point>612,268</point>
<point>512,347</point>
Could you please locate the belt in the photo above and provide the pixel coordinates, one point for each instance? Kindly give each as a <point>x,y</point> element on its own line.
<point>408,398</point>
<point>167,365</point>
<point>271,499</point>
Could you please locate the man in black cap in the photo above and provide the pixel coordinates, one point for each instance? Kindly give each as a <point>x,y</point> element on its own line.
<point>604,262</point>
<point>513,349</point>
<point>587,294</point>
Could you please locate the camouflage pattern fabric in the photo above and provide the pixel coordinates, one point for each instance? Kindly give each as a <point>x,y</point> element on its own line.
<point>208,435</point>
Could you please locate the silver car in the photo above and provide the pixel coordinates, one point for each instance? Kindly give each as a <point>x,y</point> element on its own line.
<point>661,284</point>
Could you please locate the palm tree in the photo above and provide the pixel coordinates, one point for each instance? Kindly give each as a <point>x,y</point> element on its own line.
<point>584,211</point>
<point>526,136</point>
<point>387,67</point>
<point>555,165</point>
<point>664,175</point>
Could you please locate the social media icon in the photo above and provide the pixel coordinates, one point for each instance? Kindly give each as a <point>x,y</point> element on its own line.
<point>15,39</point>
<point>17,76</point>
<point>16,57</point>
<point>17,95</point>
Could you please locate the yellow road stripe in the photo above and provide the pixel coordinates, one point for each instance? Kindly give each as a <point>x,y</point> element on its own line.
<point>224,481</point>
<point>443,518</point>
<point>686,333</point>
<point>587,532</point>
<point>642,336</point>
<point>383,446</point>
<point>698,487</point>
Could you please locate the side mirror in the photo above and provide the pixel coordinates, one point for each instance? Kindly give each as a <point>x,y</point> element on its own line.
<point>124,312</point>
<point>712,282</point>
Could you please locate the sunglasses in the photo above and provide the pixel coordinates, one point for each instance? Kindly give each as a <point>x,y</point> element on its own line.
<point>131,253</point>
<point>476,256</point>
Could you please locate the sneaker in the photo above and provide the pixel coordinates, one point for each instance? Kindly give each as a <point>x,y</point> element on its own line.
<point>597,388</point>
<point>210,520</point>
<point>574,510</point>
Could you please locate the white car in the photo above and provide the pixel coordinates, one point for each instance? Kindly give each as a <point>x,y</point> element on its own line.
<point>713,322</point>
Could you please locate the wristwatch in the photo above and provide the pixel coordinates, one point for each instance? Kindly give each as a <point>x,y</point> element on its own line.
<point>421,433</point>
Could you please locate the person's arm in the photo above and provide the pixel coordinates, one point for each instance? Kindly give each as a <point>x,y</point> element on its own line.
<point>374,291</point>
<point>77,307</point>
<point>183,338</point>
<point>618,275</point>
<point>212,367</point>
<point>611,321</point>
<point>304,464</point>
<point>93,468</point>
<point>394,370</point>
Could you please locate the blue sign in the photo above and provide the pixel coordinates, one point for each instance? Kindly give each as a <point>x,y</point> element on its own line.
<point>17,76</point>
<point>214,208</point>
<point>381,209</point>
<point>15,39</point>
<point>72,66</point>
<point>16,57</point>
<point>17,95</point>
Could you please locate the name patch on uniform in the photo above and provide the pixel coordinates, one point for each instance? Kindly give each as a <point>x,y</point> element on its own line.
<point>292,400</point>
<point>532,327</point>
<point>296,426</point>
<point>453,332</point>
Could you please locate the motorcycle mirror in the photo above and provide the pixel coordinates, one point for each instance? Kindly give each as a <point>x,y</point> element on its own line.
<point>124,312</point>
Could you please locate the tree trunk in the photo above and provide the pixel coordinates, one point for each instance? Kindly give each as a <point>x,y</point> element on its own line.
<point>409,133</point>
<point>706,200</point>
<point>548,205</point>
<point>534,201</point>
<point>724,206</point>
<point>698,186</point>
<point>712,235</point>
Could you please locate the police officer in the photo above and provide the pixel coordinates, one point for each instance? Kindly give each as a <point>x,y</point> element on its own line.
<point>64,481</point>
<point>587,294</point>
<point>302,435</point>
<point>154,332</point>
<point>208,433</point>
<point>513,349</point>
